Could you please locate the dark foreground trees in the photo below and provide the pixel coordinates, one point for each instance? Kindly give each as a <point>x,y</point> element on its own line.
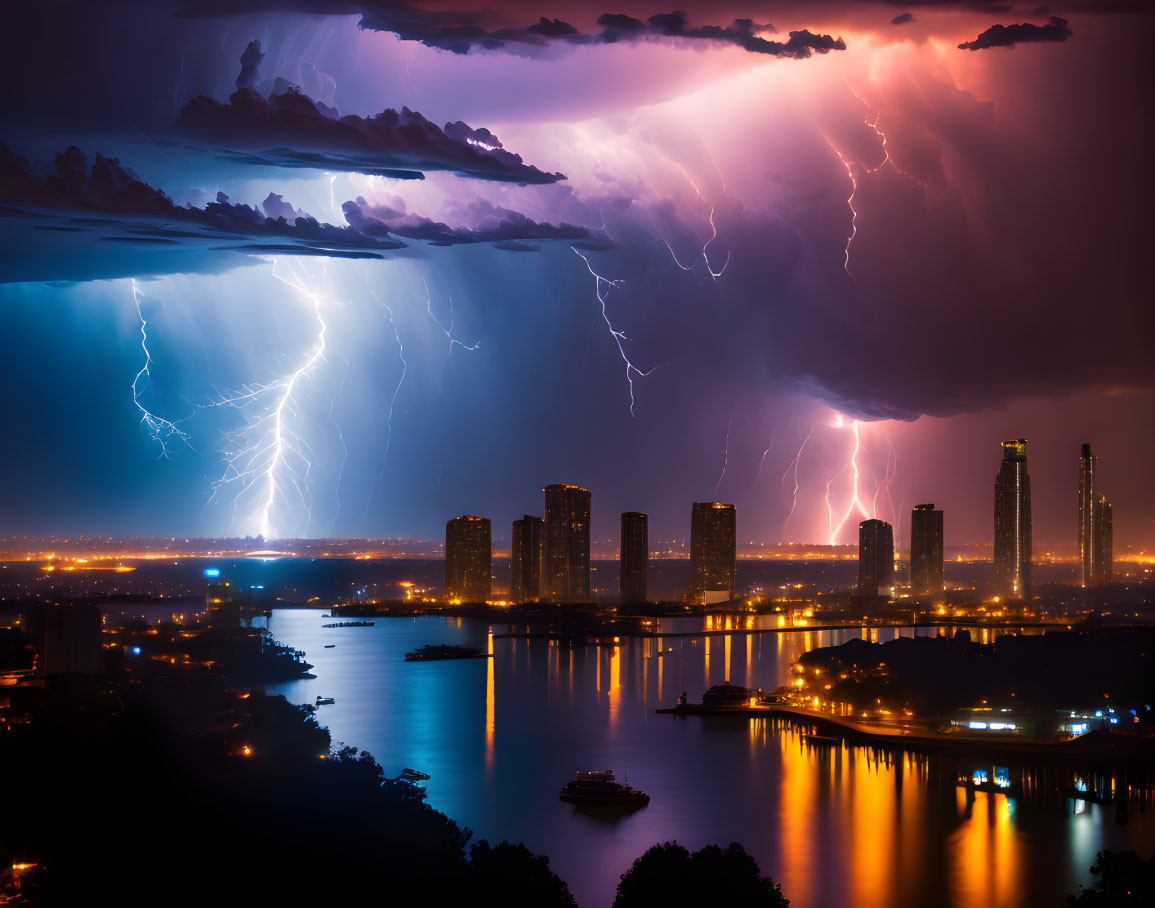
<point>1123,880</point>
<point>668,875</point>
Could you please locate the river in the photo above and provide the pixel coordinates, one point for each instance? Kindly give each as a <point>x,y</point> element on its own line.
<point>834,825</point>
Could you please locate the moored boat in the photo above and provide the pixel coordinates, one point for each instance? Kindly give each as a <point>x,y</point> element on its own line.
<point>601,788</point>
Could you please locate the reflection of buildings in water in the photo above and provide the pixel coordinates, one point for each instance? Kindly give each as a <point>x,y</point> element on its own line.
<point>490,704</point>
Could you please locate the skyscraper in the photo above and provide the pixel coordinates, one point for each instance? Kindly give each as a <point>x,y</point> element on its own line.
<point>525,582</point>
<point>1104,566</point>
<point>1087,503</point>
<point>713,551</point>
<point>635,557</point>
<point>468,554</point>
<point>926,575</point>
<point>876,558</point>
<point>565,566</point>
<point>1013,521</point>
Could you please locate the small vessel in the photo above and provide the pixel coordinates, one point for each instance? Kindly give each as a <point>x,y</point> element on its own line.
<point>330,645</point>
<point>820,739</point>
<point>600,788</point>
<point>432,653</point>
<point>350,624</point>
<point>325,701</point>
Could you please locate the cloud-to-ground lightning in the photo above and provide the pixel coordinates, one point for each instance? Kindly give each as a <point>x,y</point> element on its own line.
<point>618,336</point>
<point>704,254</point>
<point>164,432</point>
<point>855,500</point>
<point>269,458</point>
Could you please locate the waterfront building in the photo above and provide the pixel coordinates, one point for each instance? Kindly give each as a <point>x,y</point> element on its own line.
<point>876,559</point>
<point>525,579</point>
<point>926,569</point>
<point>468,557</point>
<point>565,571</point>
<point>1103,564</point>
<point>1013,521</point>
<point>713,551</point>
<point>635,555</point>
<point>1087,516</point>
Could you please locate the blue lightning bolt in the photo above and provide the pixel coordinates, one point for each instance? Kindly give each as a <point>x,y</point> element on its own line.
<point>163,431</point>
<point>270,458</point>
<point>618,336</point>
<point>448,332</point>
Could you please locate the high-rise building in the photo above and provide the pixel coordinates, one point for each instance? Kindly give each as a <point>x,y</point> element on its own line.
<point>565,563</point>
<point>1104,567</point>
<point>468,556</point>
<point>1087,515</point>
<point>525,581</point>
<point>876,558</point>
<point>1013,521</point>
<point>635,556</point>
<point>926,574</point>
<point>713,551</point>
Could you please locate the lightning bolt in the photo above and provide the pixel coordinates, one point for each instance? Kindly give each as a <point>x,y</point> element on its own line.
<point>762,462</point>
<point>794,465</point>
<point>618,336</point>
<point>852,466</point>
<point>163,431</point>
<point>886,160</point>
<point>725,455</point>
<point>392,400</point>
<point>270,458</point>
<point>704,254</point>
<point>448,332</point>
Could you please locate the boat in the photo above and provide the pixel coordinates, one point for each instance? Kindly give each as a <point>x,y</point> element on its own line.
<point>325,701</point>
<point>330,645</point>
<point>820,739</point>
<point>434,652</point>
<point>600,788</point>
<point>350,624</point>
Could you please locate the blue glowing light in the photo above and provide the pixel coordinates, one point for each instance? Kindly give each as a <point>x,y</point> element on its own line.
<point>136,650</point>
<point>212,572</point>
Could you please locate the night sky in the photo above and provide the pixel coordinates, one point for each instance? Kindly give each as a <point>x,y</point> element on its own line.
<point>298,267</point>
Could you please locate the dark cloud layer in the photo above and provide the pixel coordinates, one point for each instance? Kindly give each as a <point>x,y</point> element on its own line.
<point>509,230</point>
<point>902,19</point>
<point>1023,33</point>
<point>290,129</point>
<point>103,198</point>
<point>450,31</point>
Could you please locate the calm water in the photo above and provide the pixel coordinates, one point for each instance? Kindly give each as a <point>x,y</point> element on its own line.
<point>843,826</point>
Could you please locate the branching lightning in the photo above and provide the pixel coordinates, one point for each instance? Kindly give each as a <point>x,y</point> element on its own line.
<point>163,431</point>
<point>855,501</point>
<point>448,332</point>
<point>618,336</point>
<point>269,459</point>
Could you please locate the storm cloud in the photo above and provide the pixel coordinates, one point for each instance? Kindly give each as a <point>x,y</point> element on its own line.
<point>1024,33</point>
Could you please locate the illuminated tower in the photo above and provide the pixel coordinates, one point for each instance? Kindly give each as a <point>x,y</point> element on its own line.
<point>876,558</point>
<point>926,576</point>
<point>1104,542</point>
<point>525,582</point>
<point>1087,521</point>
<point>713,551</point>
<point>565,563</point>
<point>1013,521</point>
<point>635,557</point>
<point>468,552</point>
